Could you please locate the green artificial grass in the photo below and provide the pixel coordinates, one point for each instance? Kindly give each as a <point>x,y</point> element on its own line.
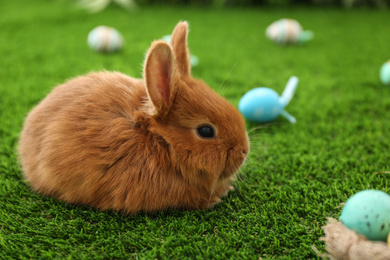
<point>296,175</point>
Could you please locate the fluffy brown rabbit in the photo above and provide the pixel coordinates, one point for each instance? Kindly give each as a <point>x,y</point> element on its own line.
<point>115,142</point>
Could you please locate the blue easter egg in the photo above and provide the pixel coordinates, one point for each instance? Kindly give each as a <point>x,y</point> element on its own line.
<point>260,105</point>
<point>368,213</point>
<point>385,73</point>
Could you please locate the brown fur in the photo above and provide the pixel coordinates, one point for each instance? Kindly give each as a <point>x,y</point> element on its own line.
<point>115,142</point>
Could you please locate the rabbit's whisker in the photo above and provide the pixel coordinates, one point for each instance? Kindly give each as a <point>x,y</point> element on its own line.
<point>223,85</point>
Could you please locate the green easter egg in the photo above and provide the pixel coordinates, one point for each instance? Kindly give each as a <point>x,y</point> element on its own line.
<point>368,213</point>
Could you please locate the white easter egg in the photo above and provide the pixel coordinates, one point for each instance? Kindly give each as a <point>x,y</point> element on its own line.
<point>284,31</point>
<point>105,39</point>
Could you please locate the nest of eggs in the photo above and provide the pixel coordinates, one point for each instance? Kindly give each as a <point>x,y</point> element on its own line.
<point>343,243</point>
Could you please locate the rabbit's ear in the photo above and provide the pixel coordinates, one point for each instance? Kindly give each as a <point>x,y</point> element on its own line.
<point>159,72</point>
<point>179,46</point>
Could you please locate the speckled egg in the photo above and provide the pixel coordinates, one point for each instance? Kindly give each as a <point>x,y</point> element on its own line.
<point>368,213</point>
<point>260,105</point>
<point>105,39</point>
<point>384,73</point>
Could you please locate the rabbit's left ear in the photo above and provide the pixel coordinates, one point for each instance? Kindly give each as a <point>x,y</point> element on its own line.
<point>179,46</point>
<point>159,73</point>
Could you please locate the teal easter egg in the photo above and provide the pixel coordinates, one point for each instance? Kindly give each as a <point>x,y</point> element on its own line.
<point>368,213</point>
<point>384,73</point>
<point>194,60</point>
<point>260,105</point>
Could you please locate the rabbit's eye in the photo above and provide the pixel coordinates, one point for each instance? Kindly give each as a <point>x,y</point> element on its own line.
<point>206,131</point>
